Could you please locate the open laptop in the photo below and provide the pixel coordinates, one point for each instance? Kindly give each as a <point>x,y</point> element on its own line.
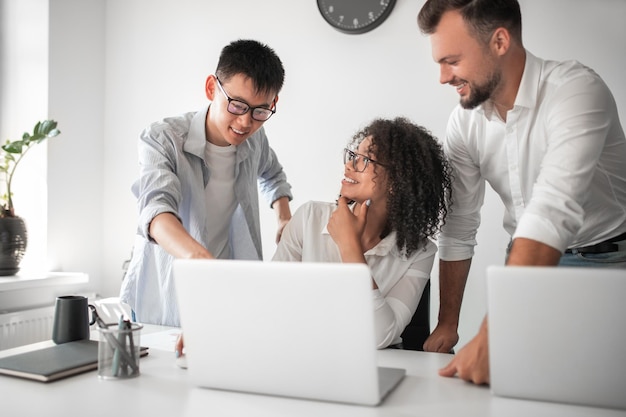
<point>303,330</point>
<point>558,334</point>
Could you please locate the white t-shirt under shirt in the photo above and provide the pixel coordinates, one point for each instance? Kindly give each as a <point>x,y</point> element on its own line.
<point>220,197</point>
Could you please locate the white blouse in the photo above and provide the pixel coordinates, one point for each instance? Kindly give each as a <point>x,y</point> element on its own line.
<point>401,280</point>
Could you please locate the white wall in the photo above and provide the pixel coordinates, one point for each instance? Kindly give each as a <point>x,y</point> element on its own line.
<point>157,54</point>
<point>76,171</point>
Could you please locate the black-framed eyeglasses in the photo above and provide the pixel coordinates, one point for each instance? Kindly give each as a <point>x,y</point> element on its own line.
<point>238,107</point>
<point>349,156</point>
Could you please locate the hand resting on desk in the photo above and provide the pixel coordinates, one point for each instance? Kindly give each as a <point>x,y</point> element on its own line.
<point>471,363</point>
<point>181,359</point>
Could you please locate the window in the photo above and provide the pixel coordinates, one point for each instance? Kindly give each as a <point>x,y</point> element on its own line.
<point>23,102</point>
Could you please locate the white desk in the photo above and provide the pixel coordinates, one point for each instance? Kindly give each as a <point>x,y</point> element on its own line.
<point>163,389</point>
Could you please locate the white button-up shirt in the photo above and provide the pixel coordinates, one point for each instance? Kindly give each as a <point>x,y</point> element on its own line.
<point>558,162</point>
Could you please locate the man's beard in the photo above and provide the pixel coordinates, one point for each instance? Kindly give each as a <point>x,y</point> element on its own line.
<point>481,93</point>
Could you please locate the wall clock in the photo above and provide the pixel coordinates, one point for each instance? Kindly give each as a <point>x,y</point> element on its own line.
<point>355,16</point>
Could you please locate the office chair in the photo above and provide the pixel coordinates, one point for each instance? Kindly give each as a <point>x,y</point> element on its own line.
<point>418,329</point>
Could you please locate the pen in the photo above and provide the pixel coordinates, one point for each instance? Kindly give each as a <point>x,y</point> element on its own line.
<point>129,326</point>
<point>131,342</point>
<point>118,350</point>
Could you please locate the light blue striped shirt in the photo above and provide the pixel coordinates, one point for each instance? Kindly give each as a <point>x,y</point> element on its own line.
<point>173,176</point>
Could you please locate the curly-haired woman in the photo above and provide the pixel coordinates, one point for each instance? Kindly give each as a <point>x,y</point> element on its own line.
<point>394,197</point>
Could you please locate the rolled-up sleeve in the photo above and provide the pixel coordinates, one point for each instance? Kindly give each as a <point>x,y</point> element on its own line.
<point>158,188</point>
<point>272,179</point>
<point>395,305</point>
<point>458,235</point>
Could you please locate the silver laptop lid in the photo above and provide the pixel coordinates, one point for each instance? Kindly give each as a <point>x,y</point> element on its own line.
<point>290,329</point>
<point>558,334</point>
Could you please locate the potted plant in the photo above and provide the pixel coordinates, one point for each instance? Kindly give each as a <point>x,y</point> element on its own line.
<point>13,236</point>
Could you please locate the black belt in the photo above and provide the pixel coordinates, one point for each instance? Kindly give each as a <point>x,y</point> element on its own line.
<point>602,247</point>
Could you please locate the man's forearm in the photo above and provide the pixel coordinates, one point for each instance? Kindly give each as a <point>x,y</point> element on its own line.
<point>531,252</point>
<point>170,234</point>
<point>283,215</point>
<point>452,279</point>
<point>281,207</point>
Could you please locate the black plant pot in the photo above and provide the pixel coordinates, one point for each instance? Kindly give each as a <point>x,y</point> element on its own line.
<point>13,240</point>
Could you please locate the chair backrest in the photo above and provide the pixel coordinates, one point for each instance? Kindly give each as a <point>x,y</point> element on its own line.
<point>418,329</point>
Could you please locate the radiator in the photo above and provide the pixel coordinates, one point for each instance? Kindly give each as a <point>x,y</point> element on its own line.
<point>28,326</point>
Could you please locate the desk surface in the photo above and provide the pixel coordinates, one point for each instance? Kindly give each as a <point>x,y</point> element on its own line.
<point>163,389</point>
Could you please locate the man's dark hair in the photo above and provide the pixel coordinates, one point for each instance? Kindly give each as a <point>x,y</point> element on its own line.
<point>254,60</point>
<point>482,16</point>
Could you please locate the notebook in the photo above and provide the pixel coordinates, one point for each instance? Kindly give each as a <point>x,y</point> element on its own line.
<point>54,362</point>
<point>302,330</point>
<point>558,334</point>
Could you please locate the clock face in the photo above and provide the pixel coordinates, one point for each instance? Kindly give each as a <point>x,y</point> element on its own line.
<point>355,16</point>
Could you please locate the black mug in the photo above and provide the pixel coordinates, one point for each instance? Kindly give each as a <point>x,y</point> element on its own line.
<point>71,319</point>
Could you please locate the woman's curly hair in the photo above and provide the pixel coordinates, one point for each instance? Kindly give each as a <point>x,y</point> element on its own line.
<point>418,179</point>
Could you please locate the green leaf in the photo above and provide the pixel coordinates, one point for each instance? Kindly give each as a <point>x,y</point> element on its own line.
<point>44,128</point>
<point>37,128</point>
<point>37,138</point>
<point>13,147</point>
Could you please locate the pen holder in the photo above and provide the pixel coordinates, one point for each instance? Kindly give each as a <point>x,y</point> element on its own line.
<point>118,351</point>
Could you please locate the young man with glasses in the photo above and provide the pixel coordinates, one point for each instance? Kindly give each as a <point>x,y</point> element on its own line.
<point>197,189</point>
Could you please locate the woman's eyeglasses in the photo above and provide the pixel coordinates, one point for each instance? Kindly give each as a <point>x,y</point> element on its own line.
<point>359,162</point>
